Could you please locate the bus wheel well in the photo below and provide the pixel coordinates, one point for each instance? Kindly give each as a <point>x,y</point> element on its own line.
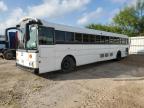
<point>68,64</point>
<point>71,56</point>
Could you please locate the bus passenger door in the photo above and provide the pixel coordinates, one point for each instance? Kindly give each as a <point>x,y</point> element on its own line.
<point>46,49</point>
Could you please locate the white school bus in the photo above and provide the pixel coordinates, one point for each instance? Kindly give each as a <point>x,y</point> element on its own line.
<point>46,47</point>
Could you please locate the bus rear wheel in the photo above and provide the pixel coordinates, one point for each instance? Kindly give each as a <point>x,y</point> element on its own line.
<point>68,64</point>
<point>118,57</point>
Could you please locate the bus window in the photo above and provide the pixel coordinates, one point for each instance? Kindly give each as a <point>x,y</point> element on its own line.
<point>102,40</point>
<point>98,39</point>
<point>85,38</point>
<point>107,39</point>
<point>127,41</point>
<point>78,37</point>
<point>123,41</point>
<point>92,38</point>
<point>120,40</point>
<point>59,36</point>
<point>116,40</point>
<point>69,37</point>
<point>45,35</point>
<point>111,41</point>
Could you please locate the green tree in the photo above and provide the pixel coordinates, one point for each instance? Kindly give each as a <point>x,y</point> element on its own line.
<point>108,28</point>
<point>126,20</point>
<point>129,21</point>
<point>140,16</point>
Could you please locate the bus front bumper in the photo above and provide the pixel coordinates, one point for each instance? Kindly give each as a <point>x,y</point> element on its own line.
<point>33,70</point>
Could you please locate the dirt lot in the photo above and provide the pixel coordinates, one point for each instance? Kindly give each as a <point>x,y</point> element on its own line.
<point>101,85</point>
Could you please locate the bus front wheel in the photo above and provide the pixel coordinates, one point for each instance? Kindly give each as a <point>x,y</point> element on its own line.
<point>68,64</point>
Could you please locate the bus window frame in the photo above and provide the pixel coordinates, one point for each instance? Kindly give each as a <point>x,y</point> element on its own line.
<point>54,42</point>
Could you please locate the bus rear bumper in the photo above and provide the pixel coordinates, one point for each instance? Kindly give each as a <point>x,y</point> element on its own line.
<point>33,70</point>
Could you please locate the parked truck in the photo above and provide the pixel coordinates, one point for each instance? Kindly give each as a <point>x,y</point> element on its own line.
<point>9,51</point>
<point>2,43</point>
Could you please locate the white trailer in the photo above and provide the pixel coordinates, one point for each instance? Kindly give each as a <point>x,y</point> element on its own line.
<point>137,45</point>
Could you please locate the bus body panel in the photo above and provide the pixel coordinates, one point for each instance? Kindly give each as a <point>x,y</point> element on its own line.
<point>51,57</point>
<point>46,58</point>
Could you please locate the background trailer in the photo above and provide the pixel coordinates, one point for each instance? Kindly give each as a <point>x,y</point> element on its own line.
<point>136,45</point>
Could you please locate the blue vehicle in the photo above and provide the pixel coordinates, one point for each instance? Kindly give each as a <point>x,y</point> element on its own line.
<point>2,43</point>
<point>9,51</point>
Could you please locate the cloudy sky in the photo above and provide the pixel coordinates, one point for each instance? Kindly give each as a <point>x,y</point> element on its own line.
<point>69,12</point>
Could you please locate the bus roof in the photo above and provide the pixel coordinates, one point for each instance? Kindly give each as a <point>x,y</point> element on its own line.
<point>80,30</point>
<point>74,29</point>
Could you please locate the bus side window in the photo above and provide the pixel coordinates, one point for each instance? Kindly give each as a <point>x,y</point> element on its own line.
<point>118,40</point>
<point>46,36</point>
<point>127,41</point>
<point>59,36</point>
<point>123,41</point>
<point>111,40</point>
<point>102,40</point>
<point>107,39</point>
<point>98,39</point>
<point>69,37</point>
<point>92,38</point>
<point>86,38</point>
<point>78,37</point>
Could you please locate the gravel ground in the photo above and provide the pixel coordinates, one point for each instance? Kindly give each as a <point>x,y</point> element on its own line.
<point>108,84</point>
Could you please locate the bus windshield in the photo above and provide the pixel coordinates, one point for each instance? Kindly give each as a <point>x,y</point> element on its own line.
<point>31,41</point>
<point>27,37</point>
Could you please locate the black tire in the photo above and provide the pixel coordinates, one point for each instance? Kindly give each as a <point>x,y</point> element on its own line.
<point>8,55</point>
<point>118,57</point>
<point>68,64</point>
